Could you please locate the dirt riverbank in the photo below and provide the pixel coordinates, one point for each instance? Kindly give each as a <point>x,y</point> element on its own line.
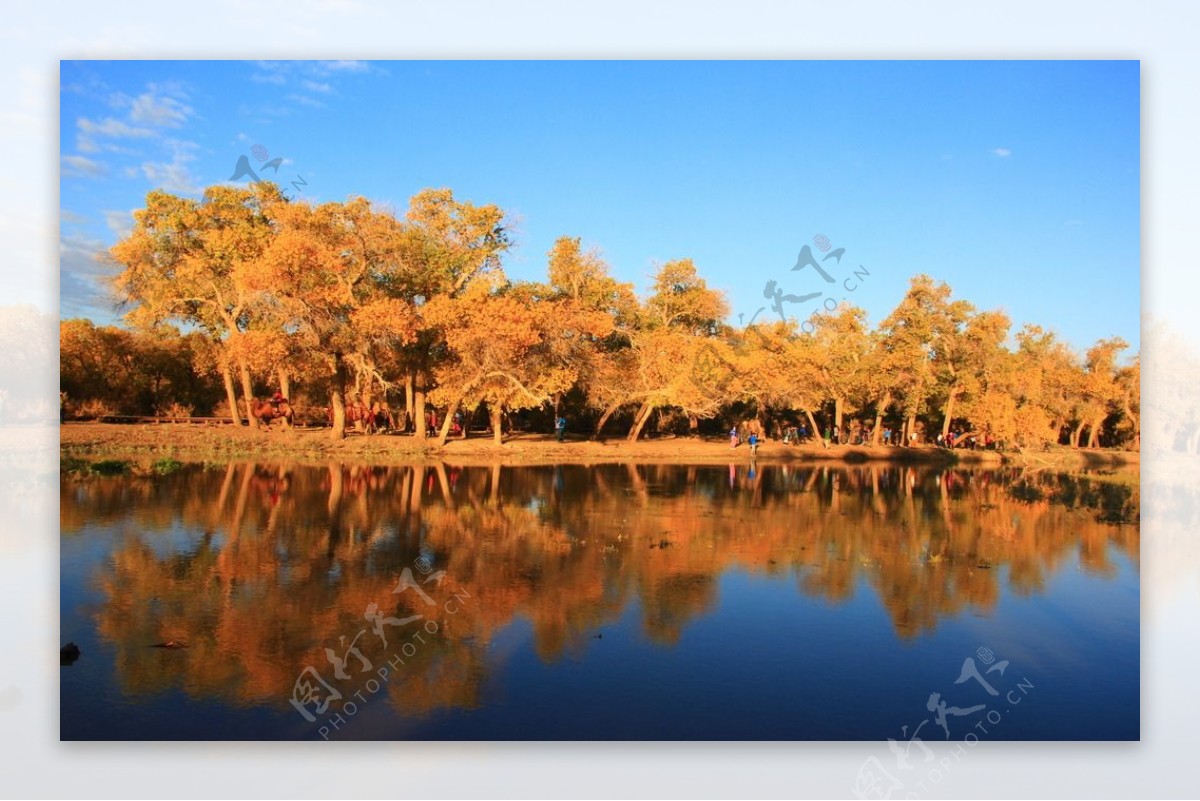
<point>222,443</point>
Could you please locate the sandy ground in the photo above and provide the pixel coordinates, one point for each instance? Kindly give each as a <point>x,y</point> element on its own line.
<point>201,443</point>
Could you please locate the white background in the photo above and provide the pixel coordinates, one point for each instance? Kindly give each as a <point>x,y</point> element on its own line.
<point>1163,36</point>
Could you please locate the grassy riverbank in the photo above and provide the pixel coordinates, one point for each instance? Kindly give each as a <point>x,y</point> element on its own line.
<point>154,442</point>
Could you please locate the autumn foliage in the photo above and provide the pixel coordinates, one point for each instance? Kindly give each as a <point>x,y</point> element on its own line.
<point>349,303</point>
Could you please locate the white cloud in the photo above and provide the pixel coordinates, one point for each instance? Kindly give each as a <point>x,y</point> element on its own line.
<point>344,66</point>
<point>83,268</point>
<point>160,106</point>
<point>111,127</point>
<point>269,77</point>
<point>81,166</point>
<point>83,255</point>
<point>174,175</point>
<point>271,72</point>
<point>108,127</point>
<point>171,176</point>
<point>1002,152</point>
<point>159,109</point>
<point>309,74</point>
<point>305,100</point>
<point>119,222</point>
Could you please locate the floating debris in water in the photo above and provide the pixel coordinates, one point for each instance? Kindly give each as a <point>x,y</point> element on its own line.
<point>68,654</point>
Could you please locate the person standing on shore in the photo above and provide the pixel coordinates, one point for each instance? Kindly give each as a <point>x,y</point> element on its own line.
<point>733,437</point>
<point>560,428</point>
<point>753,441</point>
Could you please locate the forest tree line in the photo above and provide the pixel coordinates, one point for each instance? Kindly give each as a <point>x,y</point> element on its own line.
<point>350,303</point>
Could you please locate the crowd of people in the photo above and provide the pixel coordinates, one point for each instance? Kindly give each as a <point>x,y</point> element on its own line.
<point>378,418</point>
<point>862,434</point>
<point>958,439</point>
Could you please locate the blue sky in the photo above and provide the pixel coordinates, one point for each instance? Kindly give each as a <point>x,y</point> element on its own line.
<point>1015,182</point>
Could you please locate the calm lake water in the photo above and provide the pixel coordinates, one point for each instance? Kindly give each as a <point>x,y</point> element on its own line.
<point>602,602</point>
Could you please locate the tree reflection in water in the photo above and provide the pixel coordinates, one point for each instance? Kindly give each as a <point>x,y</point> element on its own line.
<point>258,568</point>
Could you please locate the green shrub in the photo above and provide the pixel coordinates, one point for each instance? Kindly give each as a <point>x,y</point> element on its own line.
<point>110,467</point>
<point>164,466</point>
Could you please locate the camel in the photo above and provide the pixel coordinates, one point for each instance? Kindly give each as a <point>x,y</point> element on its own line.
<point>268,411</point>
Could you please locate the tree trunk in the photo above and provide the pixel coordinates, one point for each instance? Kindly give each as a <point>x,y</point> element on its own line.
<point>838,408</point>
<point>419,413</point>
<point>494,494</point>
<point>642,416</point>
<point>248,392</point>
<point>949,410</point>
<point>880,410</point>
<point>1133,420</point>
<point>231,394</point>
<point>910,428</point>
<point>285,383</point>
<point>1094,433</point>
<point>812,422</point>
<point>604,417</point>
<point>444,432</point>
<point>447,496</point>
<point>409,381</point>
<point>338,404</point>
<point>693,425</point>
<point>497,429</point>
<point>336,488</point>
<point>365,398</point>
<point>1074,436</point>
<point>415,497</point>
<point>239,509</point>
<point>337,400</point>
